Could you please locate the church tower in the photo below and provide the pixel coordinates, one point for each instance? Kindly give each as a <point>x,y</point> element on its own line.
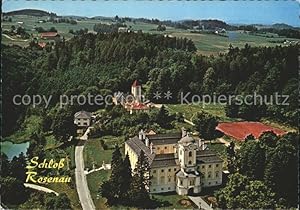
<point>136,91</point>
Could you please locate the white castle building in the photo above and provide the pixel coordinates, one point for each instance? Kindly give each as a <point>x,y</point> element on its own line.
<point>178,162</point>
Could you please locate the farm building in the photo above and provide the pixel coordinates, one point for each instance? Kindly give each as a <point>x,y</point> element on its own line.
<point>50,36</point>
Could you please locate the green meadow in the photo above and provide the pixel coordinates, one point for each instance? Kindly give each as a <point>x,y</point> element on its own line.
<point>207,44</point>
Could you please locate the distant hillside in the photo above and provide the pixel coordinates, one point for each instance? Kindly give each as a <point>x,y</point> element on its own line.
<point>281,26</point>
<point>30,12</point>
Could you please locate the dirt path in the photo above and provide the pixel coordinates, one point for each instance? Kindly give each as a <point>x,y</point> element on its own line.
<point>40,188</point>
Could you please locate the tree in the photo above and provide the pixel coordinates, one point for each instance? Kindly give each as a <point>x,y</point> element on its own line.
<point>269,138</point>
<point>12,190</point>
<point>63,124</point>
<point>52,29</point>
<point>250,137</point>
<point>126,180</point>
<point>161,27</point>
<point>232,109</point>
<point>111,189</point>
<point>209,80</point>
<point>205,124</point>
<point>231,157</point>
<point>240,192</point>
<point>18,167</point>
<point>140,182</point>
<point>251,160</point>
<point>58,202</point>
<point>4,164</point>
<point>161,117</point>
<point>281,172</point>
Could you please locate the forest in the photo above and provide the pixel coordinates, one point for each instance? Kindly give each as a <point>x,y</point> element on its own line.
<point>101,63</point>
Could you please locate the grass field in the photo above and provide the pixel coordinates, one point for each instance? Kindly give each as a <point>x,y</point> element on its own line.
<point>94,181</point>
<point>189,110</point>
<point>207,44</point>
<point>94,154</point>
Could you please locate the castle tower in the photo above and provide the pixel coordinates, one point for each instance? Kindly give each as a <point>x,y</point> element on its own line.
<point>136,91</point>
<point>188,178</point>
<point>187,153</point>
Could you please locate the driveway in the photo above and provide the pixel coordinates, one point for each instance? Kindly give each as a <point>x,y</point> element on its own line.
<point>200,202</point>
<point>81,183</point>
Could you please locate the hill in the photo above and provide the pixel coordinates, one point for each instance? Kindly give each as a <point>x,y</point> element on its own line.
<point>30,12</point>
<point>281,26</point>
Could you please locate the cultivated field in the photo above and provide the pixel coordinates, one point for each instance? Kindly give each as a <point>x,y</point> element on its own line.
<point>207,44</point>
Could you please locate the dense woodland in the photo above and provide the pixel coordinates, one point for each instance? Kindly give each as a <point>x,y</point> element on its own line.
<point>105,63</point>
<point>263,173</point>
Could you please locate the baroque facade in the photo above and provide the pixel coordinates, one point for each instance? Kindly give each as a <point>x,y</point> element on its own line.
<point>178,162</point>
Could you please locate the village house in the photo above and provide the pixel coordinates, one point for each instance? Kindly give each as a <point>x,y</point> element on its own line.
<point>178,162</point>
<point>82,119</point>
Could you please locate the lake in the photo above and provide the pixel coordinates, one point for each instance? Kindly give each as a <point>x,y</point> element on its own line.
<point>11,149</point>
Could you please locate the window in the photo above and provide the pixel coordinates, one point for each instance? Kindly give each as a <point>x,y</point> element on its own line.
<point>174,169</point>
<point>217,173</point>
<point>154,189</point>
<point>203,167</point>
<point>169,170</point>
<point>157,148</point>
<point>181,183</point>
<point>165,147</point>
<point>169,188</point>
<point>190,162</point>
<point>209,166</point>
<point>217,165</point>
<point>169,179</point>
<point>190,153</point>
<point>209,174</point>
<point>154,171</point>
<point>208,183</point>
<point>216,182</point>
<point>162,188</point>
<point>162,170</point>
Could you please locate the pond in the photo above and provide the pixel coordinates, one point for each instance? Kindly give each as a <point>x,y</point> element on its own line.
<point>11,149</point>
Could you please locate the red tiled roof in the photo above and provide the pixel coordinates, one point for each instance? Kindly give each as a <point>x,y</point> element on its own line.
<point>135,83</point>
<point>240,130</point>
<point>139,106</point>
<point>42,44</point>
<point>49,34</point>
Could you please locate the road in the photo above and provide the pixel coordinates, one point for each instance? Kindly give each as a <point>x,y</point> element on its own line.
<point>81,183</point>
<point>25,40</point>
<point>40,188</point>
<point>200,202</point>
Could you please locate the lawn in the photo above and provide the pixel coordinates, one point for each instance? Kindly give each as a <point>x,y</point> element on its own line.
<point>94,181</point>
<point>172,201</point>
<point>95,154</point>
<point>189,110</point>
